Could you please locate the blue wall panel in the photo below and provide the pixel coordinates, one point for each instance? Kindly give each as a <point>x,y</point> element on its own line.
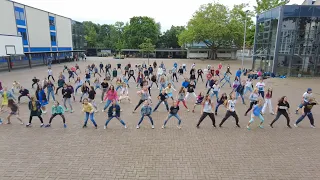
<point>52,28</point>
<point>64,49</point>
<point>54,49</point>
<point>39,49</point>
<point>25,49</point>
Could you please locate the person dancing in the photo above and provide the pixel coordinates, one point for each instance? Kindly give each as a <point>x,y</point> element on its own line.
<point>146,111</point>
<point>105,87</point>
<point>220,102</point>
<point>163,98</point>
<point>92,94</point>
<point>168,91</point>
<point>56,110</point>
<point>305,97</point>
<point>88,109</point>
<point>261,85</point>
<point>114,112</point>
<point>253,100</point>
<point>207,110</point>
<point>23,92</point>
<point>110,96</point>
<point>67,93</point>
<point>181,95</point>
<point>144,95</point>
<point>35,110</point>
<point>282,109</point>
<point>231,111</point>
<point>268,102</point>
<point>174,112</point>
<point>14,111</point>
<point>199,100</point>
<point>256,112</point>
<point>307,112</point>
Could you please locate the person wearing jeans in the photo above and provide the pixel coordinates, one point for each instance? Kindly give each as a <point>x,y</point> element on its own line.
<point>110,96</point>
<point>88,109</point>
<point>146,110</point>
<point>50,91</point>
<point>114,112</point>
<point>66,92</point>
<point>162,98</point>
<point>305,97</point>
<point>174,109</point>
<point>256,112</point>
<point>248,87</point>
<point>282,109</point>
<point>104,89</point>
<point>144,95</point>
<point>307,112</point>
<point>207,110</point>
<point>239,91</point>
<point>220,102</point>
<point>260,85</point>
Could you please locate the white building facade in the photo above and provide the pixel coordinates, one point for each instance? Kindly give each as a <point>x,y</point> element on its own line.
<point>41,31</point>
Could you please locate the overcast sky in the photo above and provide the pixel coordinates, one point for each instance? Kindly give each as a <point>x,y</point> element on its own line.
<point>167,12</point>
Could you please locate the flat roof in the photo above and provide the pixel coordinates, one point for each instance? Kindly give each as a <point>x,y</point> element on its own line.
<point>42,52</point>
<point>157,50</point>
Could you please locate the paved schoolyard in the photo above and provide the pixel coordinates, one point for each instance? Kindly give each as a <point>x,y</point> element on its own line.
<point>189,153</point>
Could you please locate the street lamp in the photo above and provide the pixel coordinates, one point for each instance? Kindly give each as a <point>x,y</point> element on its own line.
<point>244,37</point>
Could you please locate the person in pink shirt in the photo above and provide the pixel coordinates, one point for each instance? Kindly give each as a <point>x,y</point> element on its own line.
<point>110,96</point>
<point>220,66</point>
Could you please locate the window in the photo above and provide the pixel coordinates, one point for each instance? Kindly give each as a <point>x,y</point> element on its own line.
<point>53,38</point>
<point>51,22</point>
<point>17,15</point>
<point>22,16</point>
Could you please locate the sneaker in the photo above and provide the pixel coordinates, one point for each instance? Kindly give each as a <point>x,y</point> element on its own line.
<point>22,123</point>
<point>125,126</point>
<point>104,127</point>
<point>272,126</point>
<point>96,127</point>
<point>163,127</point>
<point>41,125</point>
<point>197,127</point>
<point>152,126</point>
<point>289,126</point>
<point>261,127</point>
<point>64,125</point>
<point>84,126</point>
<point>138,126</point>
<point>312,126</point>
<point>238,125</point>
<point>188,110</point>
<point>102,110</point>
<point>272,113</point>
<point>96,111</point>
<point>220,126</point>
<point>28,125</point>
<point>44,112</point>
<point>179,127</point>
<point>48,125</point>
<point>214,126</point>
<point>216,113</point>
<point>295,125</point>
<point>101,102</point>
<point>296,111</point>
<point>67,110</point>
<point>248,128</point>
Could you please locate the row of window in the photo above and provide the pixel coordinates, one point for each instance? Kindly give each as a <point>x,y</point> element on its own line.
<point>20,16</point>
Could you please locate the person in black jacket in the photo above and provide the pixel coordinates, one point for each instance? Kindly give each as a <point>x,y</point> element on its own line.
<point>35,110</point>
<point>114,112</point>
<point>23,92</point>
<point>131,74</point>
<point>240,90</point>
<point>67,93</point>
<point>35,81</point>
<point>101,67</point>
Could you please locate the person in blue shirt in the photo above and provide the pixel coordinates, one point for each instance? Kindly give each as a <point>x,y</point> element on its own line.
<point>146,110</point>
<point>238,73</point>
<point>256,112</point>
<point>226,78</point>
<point>185,83</point>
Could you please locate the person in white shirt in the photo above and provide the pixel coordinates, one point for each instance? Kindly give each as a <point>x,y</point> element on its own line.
<point>50,74</point>
<point>124,94</point>
<point>193,66</point>
<point>159,73</point>
<point>207,110</point>
<point>231,111</point>
<point>248,86</point>
<point>260,85</point>
<point>305,99</point>
<point>215,90</point>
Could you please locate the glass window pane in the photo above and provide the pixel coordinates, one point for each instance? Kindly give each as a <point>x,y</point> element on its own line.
<point>17,15</point>
<point>261,17</point>
<point>22,16</point>
<point>306,11</point>
<point>316,11</point>
<point>291,11</point>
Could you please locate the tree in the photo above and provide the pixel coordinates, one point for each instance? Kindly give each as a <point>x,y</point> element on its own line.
<point>90,31</point>
<point>169,39</point>
<point>140,28</point>
<point>147,47</point>
<point>216,26</point>
<point>265,5</point>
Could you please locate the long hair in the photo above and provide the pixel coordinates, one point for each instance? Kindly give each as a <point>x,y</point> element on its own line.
<point>182,90</point>
<point>282,99</point>
<point>206,98</point>
<point>10,102</point>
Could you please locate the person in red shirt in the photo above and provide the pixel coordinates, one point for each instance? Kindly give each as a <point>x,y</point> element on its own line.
<point>220,66</point>
<point>218,73</point>
<point>209,76</point>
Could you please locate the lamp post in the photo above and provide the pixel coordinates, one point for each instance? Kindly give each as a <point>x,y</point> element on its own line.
<point>244,37</point>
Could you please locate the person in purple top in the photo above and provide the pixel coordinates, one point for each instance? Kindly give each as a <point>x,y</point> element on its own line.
<point>256,112</point>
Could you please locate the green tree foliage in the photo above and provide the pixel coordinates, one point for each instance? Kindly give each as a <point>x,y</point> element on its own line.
<point>265,5</point>
<point>139,28</point>
<point>169,39</point>
<point>216,26</point>
<point>147,47</point>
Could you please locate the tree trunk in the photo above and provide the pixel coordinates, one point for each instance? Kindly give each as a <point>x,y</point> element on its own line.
<point>148,59</point>
<point>213,54</point>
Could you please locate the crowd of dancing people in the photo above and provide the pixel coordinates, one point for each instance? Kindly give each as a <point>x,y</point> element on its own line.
<point>112,83</point>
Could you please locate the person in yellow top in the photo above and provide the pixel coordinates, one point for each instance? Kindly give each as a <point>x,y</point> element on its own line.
<point>88,109</point>
<point>5,94</point>
<point>168,90</point>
